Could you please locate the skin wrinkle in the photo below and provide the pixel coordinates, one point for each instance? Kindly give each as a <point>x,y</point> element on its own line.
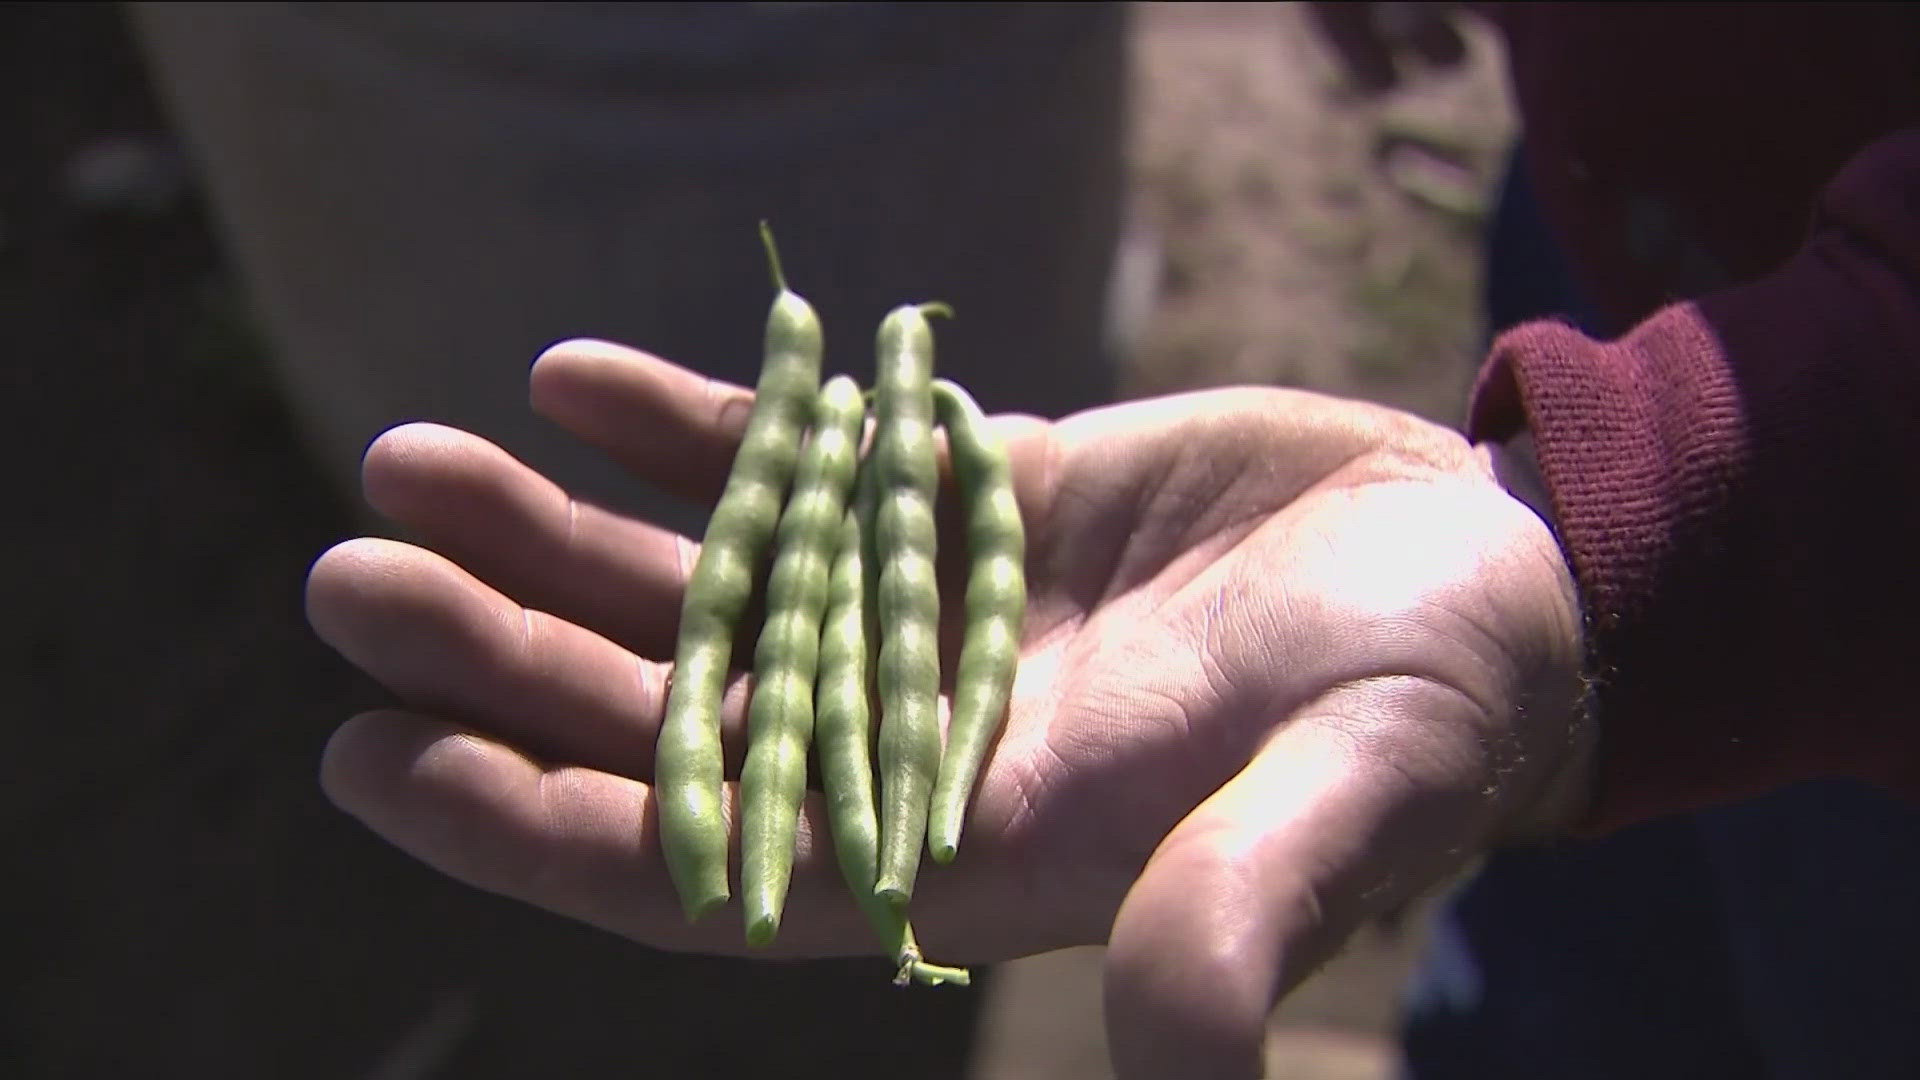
<point>1313,912</point>
<point>1178,723</point>
<point>1067,506</point>
<point>1506,754</point>
<point>1139,494</point>
<point>546,871</point>
<point>1206,553</point>
<point>1375,467</point>
<point>1035,865</point>
<point>1175,730</point>
<point>1479,630</point>
<point>1212,644</point>
<point>1240,916</point>
<point>578,382</point>
<point>1349,727</point>
<point>1038,499</point>
<point>686,552</point>
<point>1023,783</point>
<point>1235,913</point>
<point>1037,781</point>
<point>649,690</point>
<point>519,655</point>
<point>728,408</point>
<point>1388,889</point>
<point>535,640</point>
<point>1043,500</point>
<point>527,667</point>
<point>1224,694</point>
<point>441,758</point>
<point>1420,598</point>
<point>571,802</point>
<point>1222,688</point>
<point>1493,675</point>
<point>1447,757</point>
<point>537,519</point>
<point>1187,534</point>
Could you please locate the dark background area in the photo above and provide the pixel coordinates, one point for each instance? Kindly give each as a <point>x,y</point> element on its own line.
<point>181,899</point>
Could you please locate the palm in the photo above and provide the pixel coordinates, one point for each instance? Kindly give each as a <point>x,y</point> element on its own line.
<point>1271,635</point>
<point>1204,569</point>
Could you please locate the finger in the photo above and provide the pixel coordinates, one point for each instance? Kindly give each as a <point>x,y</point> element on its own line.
<point>446,643</point>
<point>679,429</point>
<point>522,534</point>
<point>1368,798</point>
<point>674,428</point>
<point>576,841</point>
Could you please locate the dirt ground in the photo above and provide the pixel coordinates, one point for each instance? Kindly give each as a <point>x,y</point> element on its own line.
<point>1305,233</point>
<point>188,890</point>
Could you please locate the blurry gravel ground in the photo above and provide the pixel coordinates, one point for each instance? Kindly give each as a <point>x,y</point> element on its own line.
<point>1307,234</point>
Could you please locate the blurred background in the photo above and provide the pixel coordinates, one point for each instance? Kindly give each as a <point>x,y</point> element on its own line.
<point>183,900</point>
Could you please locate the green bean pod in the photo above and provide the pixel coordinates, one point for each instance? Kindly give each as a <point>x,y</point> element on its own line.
<point>780,714</point>
<point>996,603</point>
<point>906,481</point>
<point>842,734</point>
<point>687,758</point>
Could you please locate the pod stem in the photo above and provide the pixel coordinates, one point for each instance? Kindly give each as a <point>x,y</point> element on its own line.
<point>909,965</point>
<point>915,970</point>
<point>937,307</point>
<point>773,257</point>
<point>937,975</point>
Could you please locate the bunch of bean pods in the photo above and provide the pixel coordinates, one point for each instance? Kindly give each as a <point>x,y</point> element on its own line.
<point>852,618</point>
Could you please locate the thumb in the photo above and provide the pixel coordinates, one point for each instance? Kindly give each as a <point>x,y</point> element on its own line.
<point>1379,789</point>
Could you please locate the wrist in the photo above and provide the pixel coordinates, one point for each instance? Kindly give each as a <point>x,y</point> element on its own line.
<point>1566,798</point>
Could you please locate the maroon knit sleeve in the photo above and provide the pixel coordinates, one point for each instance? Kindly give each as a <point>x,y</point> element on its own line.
<point>1736,484</point>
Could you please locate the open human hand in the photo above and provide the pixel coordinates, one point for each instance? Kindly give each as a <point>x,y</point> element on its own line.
<point>1288,660</point>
